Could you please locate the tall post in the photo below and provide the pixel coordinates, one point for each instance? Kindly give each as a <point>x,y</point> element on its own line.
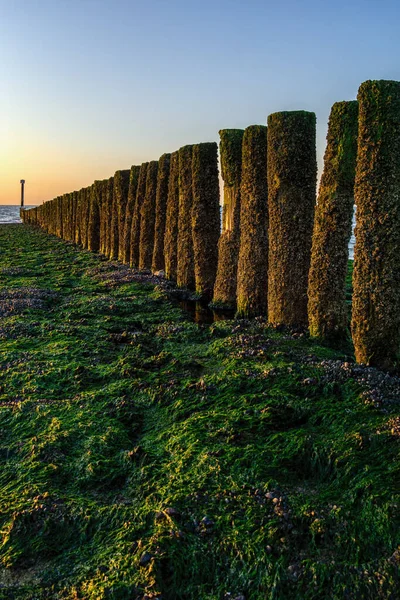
<point>252,270</point>
<point>22,182</point>
<point>292,179</point>
<point>376,298</point>
<point>229,242</point>
<point>327,309</point>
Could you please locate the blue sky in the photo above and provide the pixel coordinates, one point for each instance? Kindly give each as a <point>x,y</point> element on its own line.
<point>90,86</point>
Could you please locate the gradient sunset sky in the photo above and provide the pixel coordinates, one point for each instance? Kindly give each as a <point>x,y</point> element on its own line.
<point>91,86</point>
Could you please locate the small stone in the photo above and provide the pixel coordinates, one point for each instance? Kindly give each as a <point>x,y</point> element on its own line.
<point>268,549</point>
<point>145,559</point>
<point>172,512</point>
<point>206,522</point>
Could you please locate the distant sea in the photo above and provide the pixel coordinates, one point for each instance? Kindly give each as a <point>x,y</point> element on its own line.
<point>10,214</point>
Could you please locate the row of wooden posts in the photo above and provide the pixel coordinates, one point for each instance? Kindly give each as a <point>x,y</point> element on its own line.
<point>280,253</point>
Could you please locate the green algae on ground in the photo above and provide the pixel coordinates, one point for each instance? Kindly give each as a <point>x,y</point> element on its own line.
<point>231,459</point>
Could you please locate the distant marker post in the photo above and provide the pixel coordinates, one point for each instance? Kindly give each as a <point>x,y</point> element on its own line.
<point>22,182</point>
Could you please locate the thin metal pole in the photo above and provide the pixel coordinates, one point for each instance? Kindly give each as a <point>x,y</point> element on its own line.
<point>22,191</point>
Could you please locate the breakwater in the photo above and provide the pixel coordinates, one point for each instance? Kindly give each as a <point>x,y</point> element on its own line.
<point>283,251</point>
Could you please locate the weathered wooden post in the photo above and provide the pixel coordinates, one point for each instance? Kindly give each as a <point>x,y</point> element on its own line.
<point>327,310</point>
<point>230,149</point>
<point>158,261</point>
<point>376,279</point>
<point>185,267</point>
<point>108,215</point>
<point>136,219</point>
<point>252,274</point>
<point>205,216</point>
<point>130,207</point>
<point>121,183</point>
<point>148,217</point>
<point>171,225</point>
<point>93,234</point>
<point>292,176</point>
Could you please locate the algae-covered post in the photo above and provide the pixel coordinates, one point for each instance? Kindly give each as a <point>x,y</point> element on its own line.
<point>376,279</point>
<point>77,238</point>
<point>121,185</point>
<point>327,310</point>
<point>292,176</point>
<point>158,262</point>
<point>103,225</point>
<point>171,224</point>
<point>130,206</point>
<point>148,217</point>
<point>252,273</point>
<point>205,216</point>
<point>230,148</point>
<point>84,216</point>
<point>93,234</point>
<point>185,267</point>
<point>108,216</point>
<point>136,218</point>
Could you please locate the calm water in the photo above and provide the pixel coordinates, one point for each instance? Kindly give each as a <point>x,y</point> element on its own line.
<point>10,214</point>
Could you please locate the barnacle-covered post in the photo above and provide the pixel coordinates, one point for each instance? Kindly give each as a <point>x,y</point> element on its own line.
<point>103,196</point>
<point>185,267</point>
<point>59,227</point>
<point>93,235</point>
<point>108,216</point>
<point>230,149</point>
<point>171,224</point>
<point>205,216</point>
<point>77,237</point>
<point>376,278</point>
<point>158,262</point>
<point>148,217</point>
<point>327,310</point>
<point>85,214</point>
<point>292,176</point>
<point>252,273</point>
<point>136,218</point>
<point>121,184</point>
<point>130,206</point>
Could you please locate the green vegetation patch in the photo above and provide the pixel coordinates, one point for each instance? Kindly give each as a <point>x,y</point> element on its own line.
<point>143,455</point>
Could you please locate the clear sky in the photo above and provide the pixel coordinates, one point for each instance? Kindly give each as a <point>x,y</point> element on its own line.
<point>90,86</point>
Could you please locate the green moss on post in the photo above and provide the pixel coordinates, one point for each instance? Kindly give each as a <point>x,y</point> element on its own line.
<point>185,266</point>
<point>77,239</point>
<point>292,175</point>
<point>376,279</point>
<point>108,211</point>
<point>85,217</point>
<point>158,261</point>
<point>206,224</point>
<point>136,219</point>
<point>93,234</point>
<point>327,310</point>
<point>230,148</point>
<point>130,207</point>
<point>121,185</point>
<point>103,189</point>
<point>171,225</point>
<point>252,274</point>
<point>148,218</point>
